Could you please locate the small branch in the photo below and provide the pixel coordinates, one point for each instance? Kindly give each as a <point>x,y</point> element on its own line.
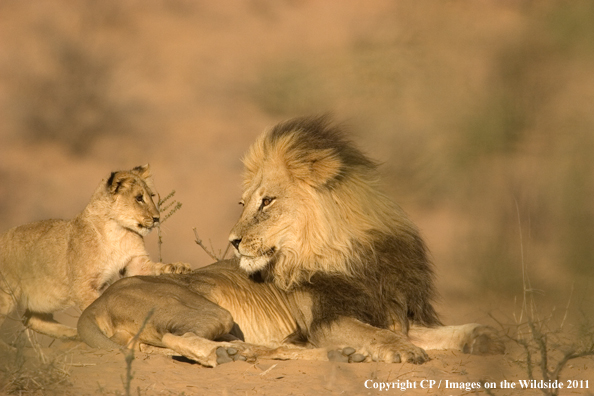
<point>177,207</point>
<point>570,356</point>
<point>159,242</point>
<point>199,242</point>
<point>268,370</point>
<point>162,201</point>
<point>226,251</point>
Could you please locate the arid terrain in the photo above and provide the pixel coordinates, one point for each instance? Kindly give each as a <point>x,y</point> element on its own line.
<point>480,114</point>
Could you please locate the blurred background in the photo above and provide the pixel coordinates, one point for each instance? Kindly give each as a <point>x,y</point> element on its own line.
<point>481,113</point>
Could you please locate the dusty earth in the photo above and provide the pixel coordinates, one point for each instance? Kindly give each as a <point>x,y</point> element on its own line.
<point>93,372</point>
<point>91,87</point>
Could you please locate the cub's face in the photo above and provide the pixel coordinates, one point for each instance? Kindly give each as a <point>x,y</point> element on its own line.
<point>133,206</point>
<point>271,214</point>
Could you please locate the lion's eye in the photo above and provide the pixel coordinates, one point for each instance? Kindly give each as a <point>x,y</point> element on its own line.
<point>140,198</point>
<point>267,201</point>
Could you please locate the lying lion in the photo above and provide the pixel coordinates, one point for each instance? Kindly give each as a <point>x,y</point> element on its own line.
<point>324,260</point>
<point>51,265</point>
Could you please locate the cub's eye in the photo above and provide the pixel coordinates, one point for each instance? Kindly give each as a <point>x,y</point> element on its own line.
<point>267,201</point>
<point>140,198</point>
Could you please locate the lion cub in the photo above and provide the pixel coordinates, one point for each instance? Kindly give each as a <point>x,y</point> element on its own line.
<point>51,265</point>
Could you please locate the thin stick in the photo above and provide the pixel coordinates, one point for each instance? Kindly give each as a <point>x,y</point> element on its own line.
<point>129,354</point>
<point>226,251</point>
<point>567,308</point>
<point>199,242</point>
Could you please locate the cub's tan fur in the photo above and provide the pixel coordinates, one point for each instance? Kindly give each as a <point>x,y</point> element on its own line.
<point>55,264</point>
<point>324,259</point>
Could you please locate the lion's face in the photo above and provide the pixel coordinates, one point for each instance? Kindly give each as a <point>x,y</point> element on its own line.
<point>133,206</point>
<point>268,221</point>
<point>286,217</point>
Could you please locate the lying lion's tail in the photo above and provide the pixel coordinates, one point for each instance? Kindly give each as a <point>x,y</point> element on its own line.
<point>90,332</point>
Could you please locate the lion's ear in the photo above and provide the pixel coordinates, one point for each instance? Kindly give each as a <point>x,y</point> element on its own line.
<point>316,167</point>
<point>143,171</point>
<point>118,181</point>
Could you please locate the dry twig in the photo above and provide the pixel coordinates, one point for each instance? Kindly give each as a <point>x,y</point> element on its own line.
<point>210,252</point>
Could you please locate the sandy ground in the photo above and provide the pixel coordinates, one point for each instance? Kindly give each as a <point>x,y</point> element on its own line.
<point>93,372</point>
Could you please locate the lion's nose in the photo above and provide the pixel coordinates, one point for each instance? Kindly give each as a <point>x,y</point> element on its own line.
<point>236,242</point>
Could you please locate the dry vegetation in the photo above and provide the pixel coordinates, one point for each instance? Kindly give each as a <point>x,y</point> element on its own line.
<point>481,113</point>
<point>30,371</point>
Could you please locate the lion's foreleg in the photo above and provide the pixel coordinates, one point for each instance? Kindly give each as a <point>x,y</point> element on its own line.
<point>469,338</point>
<point>289,352</point>
<point>380,344</point>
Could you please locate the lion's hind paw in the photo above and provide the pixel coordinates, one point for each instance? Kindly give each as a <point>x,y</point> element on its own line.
<point>233,354</point>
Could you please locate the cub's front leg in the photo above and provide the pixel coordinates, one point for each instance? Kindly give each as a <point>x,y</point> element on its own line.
<point>381,345</point>
<point>142,265</point>
<point>173,268</point>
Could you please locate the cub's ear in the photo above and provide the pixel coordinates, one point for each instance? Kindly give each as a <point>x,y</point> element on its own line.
<point>118,181</point>
<point>316,167</point>
<point>143,171</point>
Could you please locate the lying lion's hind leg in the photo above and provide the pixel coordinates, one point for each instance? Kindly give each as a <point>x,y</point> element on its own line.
<point>197,348</point>
<point>211,353</point>
<point>224,354</point>
<point>45,324</point>
<point>196,315</point>
<point>470,338</point>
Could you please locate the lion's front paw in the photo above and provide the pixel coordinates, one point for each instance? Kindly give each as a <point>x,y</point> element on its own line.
<point>399,352</point>
<point>175,268</point>
<point>483,340</point>
<point>346,355</point>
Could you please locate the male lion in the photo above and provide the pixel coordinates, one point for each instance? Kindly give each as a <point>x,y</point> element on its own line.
<point>51,265</point>
<point>324,259</point>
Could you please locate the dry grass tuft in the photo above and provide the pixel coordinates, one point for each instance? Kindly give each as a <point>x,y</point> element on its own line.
<point>37,374</point>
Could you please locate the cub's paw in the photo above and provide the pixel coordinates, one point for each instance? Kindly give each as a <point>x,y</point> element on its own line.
<point>483,340</point>
<point>175,268</point>
<point>346,355</point>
